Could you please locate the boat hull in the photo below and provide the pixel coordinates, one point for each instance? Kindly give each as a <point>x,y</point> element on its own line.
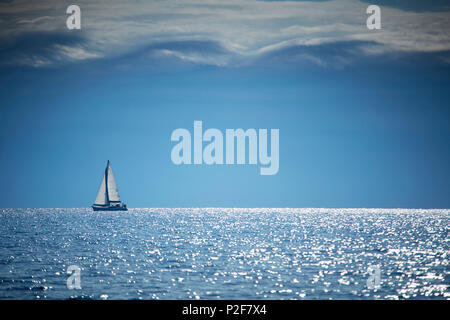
<point>109,208</point>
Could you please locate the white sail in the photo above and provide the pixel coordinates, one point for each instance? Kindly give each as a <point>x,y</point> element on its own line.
<point>101,194</point>
<point>113,193</point>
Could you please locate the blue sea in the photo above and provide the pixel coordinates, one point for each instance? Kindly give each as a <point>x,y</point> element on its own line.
<point>222,253</point>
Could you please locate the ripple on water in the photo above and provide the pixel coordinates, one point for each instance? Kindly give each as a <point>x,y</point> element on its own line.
<point>224,253</point>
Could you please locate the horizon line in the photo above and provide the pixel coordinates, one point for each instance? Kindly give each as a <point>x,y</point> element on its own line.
<point>367,208</point>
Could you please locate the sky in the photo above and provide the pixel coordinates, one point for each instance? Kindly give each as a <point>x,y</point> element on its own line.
<point>364,115</point>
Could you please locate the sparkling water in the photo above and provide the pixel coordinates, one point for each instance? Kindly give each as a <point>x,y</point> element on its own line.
<point>222,253</point>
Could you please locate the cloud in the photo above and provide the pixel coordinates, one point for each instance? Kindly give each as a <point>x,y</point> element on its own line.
<point>241,31</point>
<point>189,51</point>
<point>35,20</point>
<point>75,53</point>
<point>413,5</point>
<point>44,49</point>
<point>333,55</point>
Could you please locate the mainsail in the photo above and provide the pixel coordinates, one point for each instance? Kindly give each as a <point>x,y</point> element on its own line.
<point>113,193</point>
<point>107,192</point>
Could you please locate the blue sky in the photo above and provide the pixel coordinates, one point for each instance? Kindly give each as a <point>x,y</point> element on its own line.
<point>363,115</point>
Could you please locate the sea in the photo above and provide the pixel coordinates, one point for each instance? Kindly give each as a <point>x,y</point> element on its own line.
<point>224,253</point>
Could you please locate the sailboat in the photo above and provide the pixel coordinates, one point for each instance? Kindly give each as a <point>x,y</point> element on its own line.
<point>108,198</point>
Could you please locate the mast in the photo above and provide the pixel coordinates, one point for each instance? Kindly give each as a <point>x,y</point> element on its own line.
<point>106,183</point>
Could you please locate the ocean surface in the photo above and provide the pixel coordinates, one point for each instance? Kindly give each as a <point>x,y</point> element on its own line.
<point>225,253</point>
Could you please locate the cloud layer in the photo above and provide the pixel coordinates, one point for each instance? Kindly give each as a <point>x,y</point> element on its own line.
<point>221,32</point>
